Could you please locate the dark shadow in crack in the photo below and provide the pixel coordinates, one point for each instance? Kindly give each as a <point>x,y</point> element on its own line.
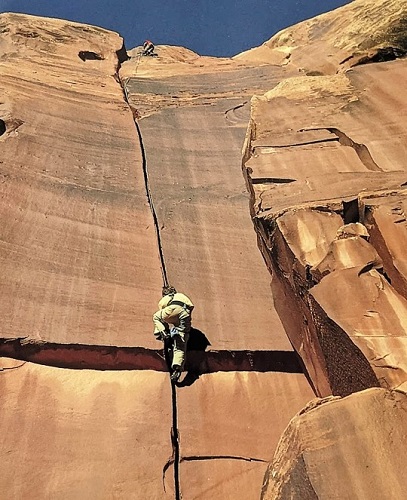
<point>2,127</point>
<point>196,348</point>
<point>87,55</point>
<point>107,357</point>
<point>198,341</point>
<point>190,378</point>
<point>199,361</point>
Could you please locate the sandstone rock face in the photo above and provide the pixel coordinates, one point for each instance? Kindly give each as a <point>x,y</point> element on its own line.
<point>318,149</point>
<point>229,430</point>
<point>80,433</point>
<point>97,209</point>
<point>359,32</point>
<point>342,448</point>
<point>192,113</point>
<point>120,175</point>
<point>74,211</point>
<point>324,160</point>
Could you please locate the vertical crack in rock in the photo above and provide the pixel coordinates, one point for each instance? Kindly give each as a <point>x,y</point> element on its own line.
<point>174,429</point>
<point>122,56</point>
<point>147,186</point>
<point>150,202</point>
<point>175,443</point>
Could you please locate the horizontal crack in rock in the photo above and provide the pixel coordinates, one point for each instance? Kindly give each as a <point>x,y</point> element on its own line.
<point>105,357</point>
<point>195,458</point>
<point>271,180</point>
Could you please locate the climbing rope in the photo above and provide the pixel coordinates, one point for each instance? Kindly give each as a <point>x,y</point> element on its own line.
<point>175,459</point>
<point>138,62</point>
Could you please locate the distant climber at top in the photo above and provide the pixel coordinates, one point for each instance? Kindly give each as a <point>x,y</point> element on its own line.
<point>148,48</point>
<point>172,322</point>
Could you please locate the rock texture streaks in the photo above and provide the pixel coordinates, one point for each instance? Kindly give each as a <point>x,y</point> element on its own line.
<point>318,149</point>
<point>324,160</point>
<point>92,204</point>
<point>118,174</point>
<point>74,211</point>
<point>192,126</point>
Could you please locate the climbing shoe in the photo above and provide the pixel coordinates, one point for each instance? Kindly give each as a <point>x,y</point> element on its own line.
<point>175,375</point>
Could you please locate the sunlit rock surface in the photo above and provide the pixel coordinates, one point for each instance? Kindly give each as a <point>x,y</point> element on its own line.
<point>342,448</point>
<point>192,112</point>
<point>83,274</point>
<point>324,159</point>
<point>83,433</point>
<point>74,213</point>
<point>324,152</point>
<point>359,32</point>
<point>117,173</point>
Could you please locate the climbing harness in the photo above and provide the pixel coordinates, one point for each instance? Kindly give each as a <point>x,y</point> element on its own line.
<point>182,304</point>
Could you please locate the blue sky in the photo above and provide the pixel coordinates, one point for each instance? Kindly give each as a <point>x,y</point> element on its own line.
<point>209,27</point>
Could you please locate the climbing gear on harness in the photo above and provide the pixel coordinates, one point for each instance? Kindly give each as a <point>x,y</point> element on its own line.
<point>168,290</point>
<point>173,332</point>
<point>164,335</point>
<point>175,375</point>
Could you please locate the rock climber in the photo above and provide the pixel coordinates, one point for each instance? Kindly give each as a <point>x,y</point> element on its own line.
<point>172,321</point>
<point>148,48</point>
